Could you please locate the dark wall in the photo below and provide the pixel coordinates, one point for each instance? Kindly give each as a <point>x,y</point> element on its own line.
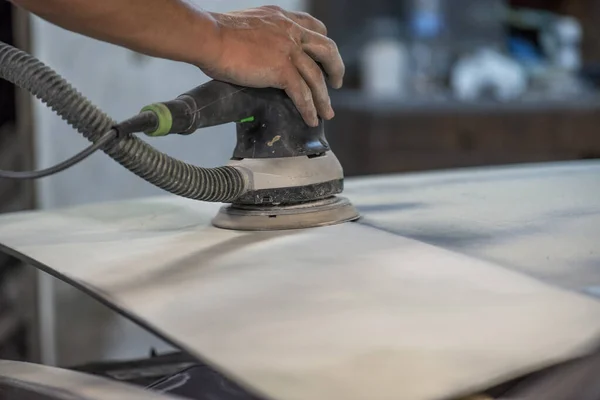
<point>14,151</point>
<point>7,91</point>
<point>343,17</point>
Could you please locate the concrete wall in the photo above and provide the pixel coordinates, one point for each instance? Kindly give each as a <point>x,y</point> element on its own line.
<point>120,82</point>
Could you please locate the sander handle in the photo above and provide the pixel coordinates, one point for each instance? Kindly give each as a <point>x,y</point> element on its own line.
<point>268,123</point>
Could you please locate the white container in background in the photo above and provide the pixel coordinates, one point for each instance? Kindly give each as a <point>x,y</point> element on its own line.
<point>385,61</point>
<point>561,41</point>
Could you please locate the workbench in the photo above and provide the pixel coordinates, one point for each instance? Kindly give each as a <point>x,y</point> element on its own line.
<point>451,283</point>
<point>381,137</point>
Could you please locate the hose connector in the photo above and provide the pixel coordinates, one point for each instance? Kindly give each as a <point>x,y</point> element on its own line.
<point>164,119</point>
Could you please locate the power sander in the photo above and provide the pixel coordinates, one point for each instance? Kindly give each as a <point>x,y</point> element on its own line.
<point>282,175</point>
<point>292,177</point>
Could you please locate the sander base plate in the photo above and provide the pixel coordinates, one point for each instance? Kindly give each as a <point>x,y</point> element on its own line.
<point>330,211</point>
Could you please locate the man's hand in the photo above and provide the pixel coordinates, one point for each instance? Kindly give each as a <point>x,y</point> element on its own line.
<point>271,47</point>
<point>262,47</point>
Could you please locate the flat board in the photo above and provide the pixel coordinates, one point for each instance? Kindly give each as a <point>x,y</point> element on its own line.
<point>539,219</point>
<point>347,311</point>
<point>63,384</point>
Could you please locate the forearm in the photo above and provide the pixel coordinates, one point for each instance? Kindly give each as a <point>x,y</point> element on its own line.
<point>260,47</point>
<point>171,29</point>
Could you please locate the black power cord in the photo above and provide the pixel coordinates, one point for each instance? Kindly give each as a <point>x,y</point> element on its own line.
<point>137,123</point>
<point>221,184</point>
<point>24,175</point>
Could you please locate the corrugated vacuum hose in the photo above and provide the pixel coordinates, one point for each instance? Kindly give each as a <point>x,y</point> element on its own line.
<point>222,184</point>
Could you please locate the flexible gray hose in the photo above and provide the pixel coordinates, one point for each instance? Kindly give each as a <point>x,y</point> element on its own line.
<point>223,184</point>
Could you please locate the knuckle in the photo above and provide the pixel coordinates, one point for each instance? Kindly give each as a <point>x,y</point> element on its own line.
<point>285,23</point>
<point>291,49</point>
<point>341,67</point>
<point>304,93</point>
<point>317,77</point>
<point>275,8</point>
<point>289,80</point>
<point>332,47</point>
<point>323,28</point>
<point>304,16</point>
<point>293,27</point>
<point>318,24</point>
<point>308,96</point>
<point>283,83</point>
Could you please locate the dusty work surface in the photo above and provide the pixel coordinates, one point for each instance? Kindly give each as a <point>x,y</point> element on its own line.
<point>542,220</point>
<point>347,311</point>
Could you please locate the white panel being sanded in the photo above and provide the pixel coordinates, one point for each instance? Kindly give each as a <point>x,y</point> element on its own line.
<point>540,219</point>
<point>341,312</point>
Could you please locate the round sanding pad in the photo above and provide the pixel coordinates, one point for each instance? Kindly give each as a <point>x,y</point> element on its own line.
<point>334,210</point>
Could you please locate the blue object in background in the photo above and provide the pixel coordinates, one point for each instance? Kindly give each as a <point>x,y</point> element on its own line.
<point>524,51</point>
<point>426,24</point>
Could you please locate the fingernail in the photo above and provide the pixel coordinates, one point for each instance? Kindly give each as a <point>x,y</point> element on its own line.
<point>328,114</point>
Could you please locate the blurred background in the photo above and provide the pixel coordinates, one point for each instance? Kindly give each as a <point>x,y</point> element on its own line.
<point>431,84</point>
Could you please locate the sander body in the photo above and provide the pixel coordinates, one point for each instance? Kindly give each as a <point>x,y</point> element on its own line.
<point>292,178</point>
<point>282,173</point>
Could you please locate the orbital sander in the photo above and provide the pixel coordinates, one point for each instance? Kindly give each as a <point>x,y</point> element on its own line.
<point>282,175</point>
<point>292,178</point>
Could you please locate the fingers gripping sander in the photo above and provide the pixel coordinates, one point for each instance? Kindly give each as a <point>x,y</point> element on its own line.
<point>291,177</point>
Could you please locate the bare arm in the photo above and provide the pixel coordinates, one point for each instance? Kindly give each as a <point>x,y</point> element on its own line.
<point>169,29</point>
<point>262,47</point>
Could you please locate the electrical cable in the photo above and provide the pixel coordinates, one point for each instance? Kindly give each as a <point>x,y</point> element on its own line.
<point>221,184</point>
<point>24,175</point>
